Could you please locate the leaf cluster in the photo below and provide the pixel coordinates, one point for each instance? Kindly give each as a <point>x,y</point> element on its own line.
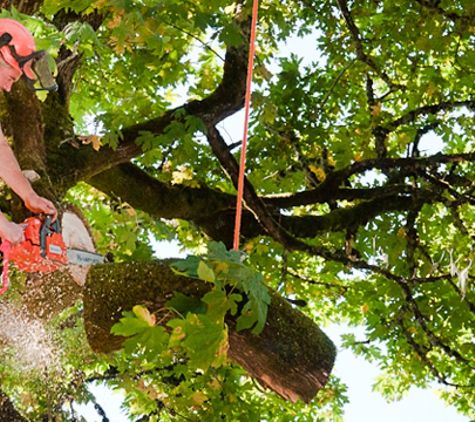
<point>228,272</point>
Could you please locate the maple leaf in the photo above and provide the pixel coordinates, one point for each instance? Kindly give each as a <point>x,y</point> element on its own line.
<point>95,140</point>
<point>376,109</point>
<point>144,314</point>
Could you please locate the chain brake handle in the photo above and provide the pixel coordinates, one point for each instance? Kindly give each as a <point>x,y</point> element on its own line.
<point>46,229</point>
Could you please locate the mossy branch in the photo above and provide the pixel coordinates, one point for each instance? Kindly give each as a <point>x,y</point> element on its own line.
<point>291,356</point>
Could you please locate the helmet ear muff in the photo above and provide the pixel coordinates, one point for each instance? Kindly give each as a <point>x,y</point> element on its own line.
<point>5,39</point>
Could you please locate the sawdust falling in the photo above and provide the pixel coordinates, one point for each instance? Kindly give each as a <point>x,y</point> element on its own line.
<point>24,342</point>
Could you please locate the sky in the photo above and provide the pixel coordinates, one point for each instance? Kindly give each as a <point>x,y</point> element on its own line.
<point>365,405</point>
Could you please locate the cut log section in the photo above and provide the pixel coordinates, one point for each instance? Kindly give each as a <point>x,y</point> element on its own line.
<point>291,356</point>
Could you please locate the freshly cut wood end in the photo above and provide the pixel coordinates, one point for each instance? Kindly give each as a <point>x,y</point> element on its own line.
<point>77,235</point>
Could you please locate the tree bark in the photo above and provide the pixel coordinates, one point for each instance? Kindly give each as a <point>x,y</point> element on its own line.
<point>8,413</point>
<point>291,356</point>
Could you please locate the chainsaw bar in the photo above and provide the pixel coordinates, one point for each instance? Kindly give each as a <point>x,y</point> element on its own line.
<point>84,258</point>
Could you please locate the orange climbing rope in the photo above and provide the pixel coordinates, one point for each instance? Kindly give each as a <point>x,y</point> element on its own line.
<point>237,227</point>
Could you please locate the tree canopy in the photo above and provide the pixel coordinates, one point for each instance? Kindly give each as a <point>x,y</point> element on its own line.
<point>359,206</point>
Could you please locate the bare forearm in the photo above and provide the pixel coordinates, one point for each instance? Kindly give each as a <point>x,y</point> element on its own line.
<point>11,173</point>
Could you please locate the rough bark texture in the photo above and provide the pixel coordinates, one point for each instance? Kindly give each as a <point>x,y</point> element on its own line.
<point>40,289</point>
<point>292,369</point>
<point>8,413</point>
<point>291,356</point>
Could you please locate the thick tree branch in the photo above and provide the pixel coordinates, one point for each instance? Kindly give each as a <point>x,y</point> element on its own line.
<point>402,164</point>
<point>129,183</point>
<point>352,217</point>
<point>332,188</point>
<point>134,186</point>
<point>27,7</point>
<point>223,102</point>
<point>323,194</point>
<point>292,356</point>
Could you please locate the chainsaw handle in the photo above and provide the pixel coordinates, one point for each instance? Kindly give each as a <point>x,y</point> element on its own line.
<point>5,248</point>
<point>47,228</point>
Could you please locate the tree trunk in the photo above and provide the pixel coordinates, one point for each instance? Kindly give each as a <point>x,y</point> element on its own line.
<point>291,356</point>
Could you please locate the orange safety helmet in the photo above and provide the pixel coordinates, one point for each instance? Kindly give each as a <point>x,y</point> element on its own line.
<point>18,49</point>
<point>22,42</point>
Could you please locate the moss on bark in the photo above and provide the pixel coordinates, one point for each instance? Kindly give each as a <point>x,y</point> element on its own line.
<point>291,356</point>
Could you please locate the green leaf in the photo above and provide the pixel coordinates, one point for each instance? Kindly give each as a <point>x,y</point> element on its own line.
<point>203,340</point>
<point>129,325</point>
<point>255,309</point>
<point>184,304</point>
<point>219,303</point>
<point>144,335</point>
<point>112,139</point>
<point>205,272</point>
<point>187,267</point>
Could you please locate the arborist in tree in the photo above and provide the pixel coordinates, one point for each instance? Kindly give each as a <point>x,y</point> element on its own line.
<point>18,57</point>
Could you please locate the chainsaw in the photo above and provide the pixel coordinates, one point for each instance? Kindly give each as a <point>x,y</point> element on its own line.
<point>43,250</point>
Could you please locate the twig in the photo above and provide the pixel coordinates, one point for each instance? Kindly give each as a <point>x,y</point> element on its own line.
<point>197,39</point>
<point>284,271</point>
<point>433,7</point>
<point>318,283</point>
<point>411,244</point>
<point>419,134</point>
<point>311,7</point>
<point>418,349</point>
<point>100,411</point>
<point>421,319</point>
<point>360,54</point>
<point>427,110</point>
<point>333,85</point>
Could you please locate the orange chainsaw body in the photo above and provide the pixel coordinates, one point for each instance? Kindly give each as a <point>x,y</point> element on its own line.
<point>34,255</point>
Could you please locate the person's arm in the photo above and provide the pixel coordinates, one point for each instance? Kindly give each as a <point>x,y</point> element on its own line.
<point>11,173</point>
<point>10,231</point>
